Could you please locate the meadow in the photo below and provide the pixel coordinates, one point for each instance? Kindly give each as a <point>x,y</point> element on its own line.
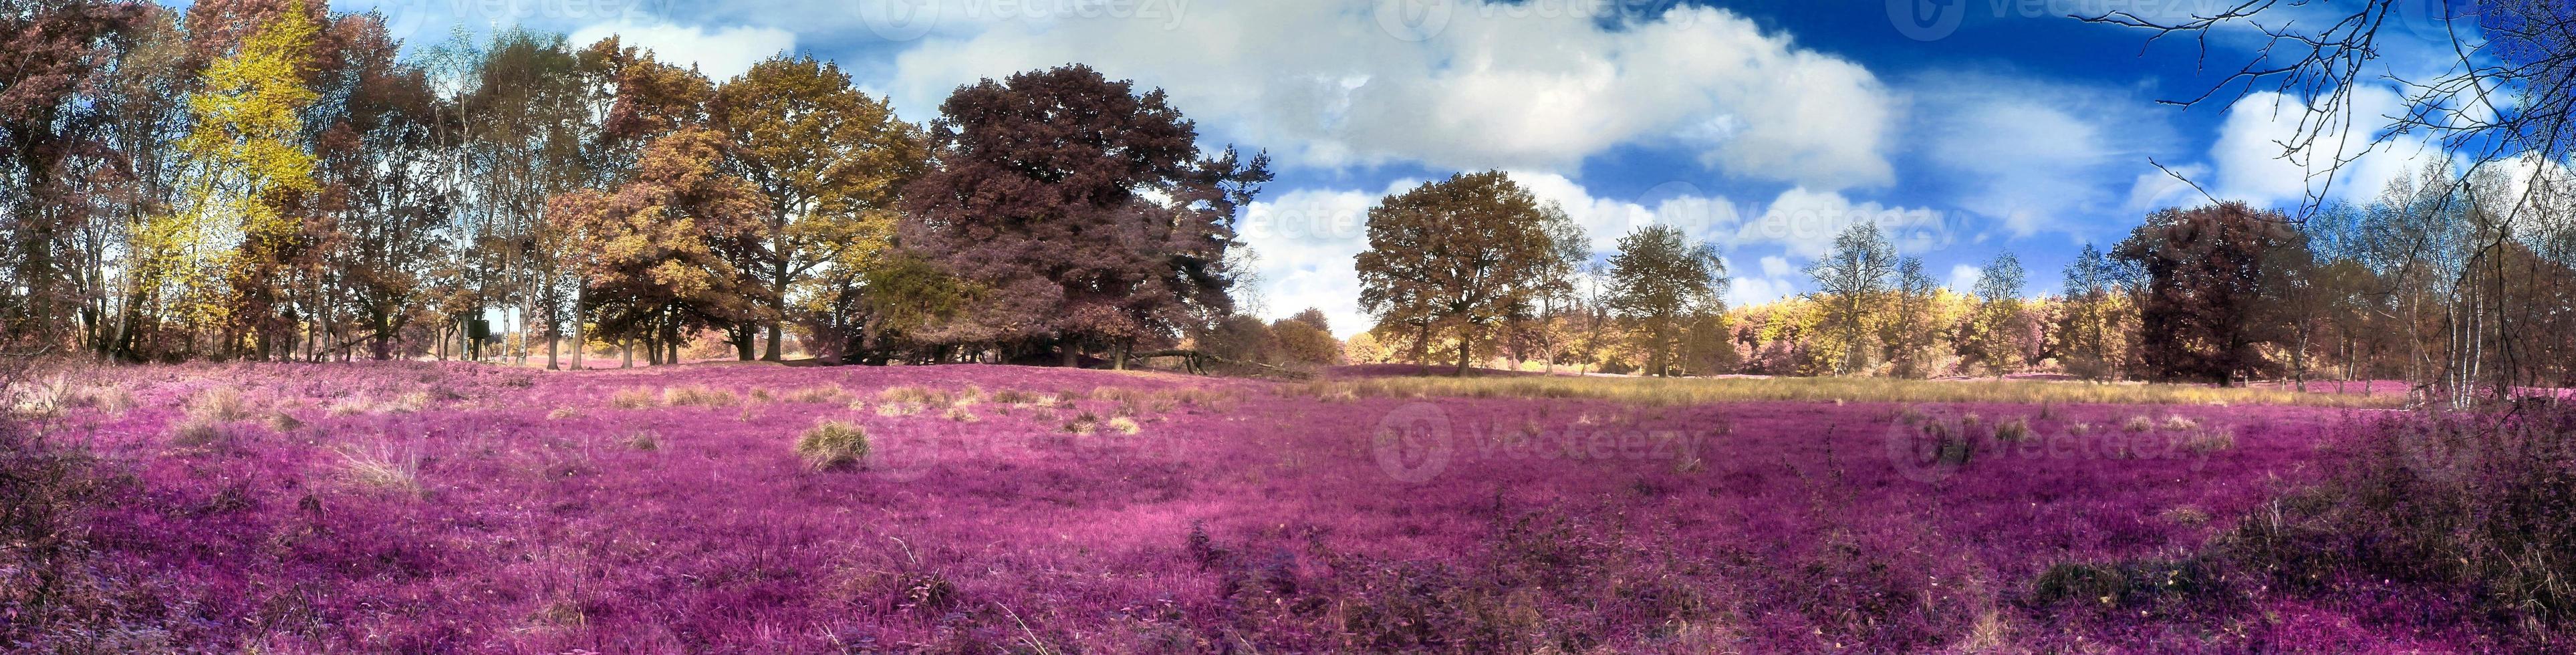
<point>414,507</point>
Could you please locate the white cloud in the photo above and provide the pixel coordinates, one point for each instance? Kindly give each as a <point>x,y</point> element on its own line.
<point>2034,155</point>
<point>720,54</point>
<point>1963,278</point>
<point>2341,162</point>
<point>1305,240</point>
<point>1521,86</point>
<point>1805,223</point>
<point>1746,291</point>
<point>1776,266</point>
<point>1604,220</point>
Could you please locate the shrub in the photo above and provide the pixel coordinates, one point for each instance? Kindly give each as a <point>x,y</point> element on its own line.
<point>633,398</point>
<point>197,432</point>
<point>833,444</point>
<point>563,413</point>
<point>2178,423</point>
<point>2139,424</point>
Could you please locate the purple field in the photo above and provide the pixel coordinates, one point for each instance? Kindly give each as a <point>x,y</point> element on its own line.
<point>462,508</point>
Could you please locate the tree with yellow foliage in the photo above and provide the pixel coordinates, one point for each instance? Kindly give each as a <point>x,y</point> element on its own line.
<point>249,168</point>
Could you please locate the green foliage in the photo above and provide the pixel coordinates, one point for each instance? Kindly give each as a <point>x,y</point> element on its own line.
<point>833,445</point>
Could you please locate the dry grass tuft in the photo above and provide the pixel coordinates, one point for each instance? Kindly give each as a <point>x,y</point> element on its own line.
<point>2211,440</point>
<point>633,398</point>
<point>2178,423</point>
<point>219,404</point>
<point>698,395</point>
<point>563,413</point>
<point>2013,430</point>
<point>2139,424</point>
<point>383,468</point>
<point>1084,423</point>
<point>644,440</point>
<point>962,415</point>
<point>832,444</point>
<point>826,394</point>
<point>1125,425</point>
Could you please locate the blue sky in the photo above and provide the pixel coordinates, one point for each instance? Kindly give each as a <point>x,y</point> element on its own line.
<point>1762,126</point>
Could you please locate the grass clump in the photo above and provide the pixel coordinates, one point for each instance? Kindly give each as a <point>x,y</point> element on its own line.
<point>832,445</point>
<point>2178,423</point>
<point>383,469</point>
<point>1083,423</point>
<point>633,398</point>
<point>962,415</point>
<point>699,396</point>
<point>644,440</point>
<point>1125,425</point>
<point>2139,424</point>
<point>220,405</point>
<point>2013,430</point>
<point>563,413</point>
<point>2208,441</point>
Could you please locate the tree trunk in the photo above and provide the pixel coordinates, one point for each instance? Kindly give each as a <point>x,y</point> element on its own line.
<point>770,353</point>
<point>1072,358</point>
<point>1464,346</point>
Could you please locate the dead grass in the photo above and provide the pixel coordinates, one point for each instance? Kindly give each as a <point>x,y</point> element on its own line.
<point>1693,391</point>
<point>831,445</point>
<point>633,398</point>
<point>699,396</point>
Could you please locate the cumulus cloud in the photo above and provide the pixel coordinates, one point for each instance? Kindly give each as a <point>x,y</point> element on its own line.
<point>2341,162</point>
<point>1471,85</point>
<point>1750,290</point>
<point>1304,240</point>
<point>720,54</point>
<point>1963,278</point>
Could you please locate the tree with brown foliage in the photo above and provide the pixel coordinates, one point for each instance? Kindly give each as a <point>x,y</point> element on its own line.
<point>2206,273</point>
<point>654,256</point>
<point>1461,255</point>
<point>1085,207</point>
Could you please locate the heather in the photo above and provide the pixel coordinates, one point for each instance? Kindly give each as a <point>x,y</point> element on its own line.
<point>1101,511</point>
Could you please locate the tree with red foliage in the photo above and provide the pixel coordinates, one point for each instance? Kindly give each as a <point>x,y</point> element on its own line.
<point>2208,270</point>
<point>1086,207</point>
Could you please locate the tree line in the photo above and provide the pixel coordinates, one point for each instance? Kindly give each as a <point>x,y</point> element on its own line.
<point>266,179</point>
<point>2463,285</point>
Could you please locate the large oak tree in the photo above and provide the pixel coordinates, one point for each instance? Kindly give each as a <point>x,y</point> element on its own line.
<point>1086,208</point>
<point>1462,255</point>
